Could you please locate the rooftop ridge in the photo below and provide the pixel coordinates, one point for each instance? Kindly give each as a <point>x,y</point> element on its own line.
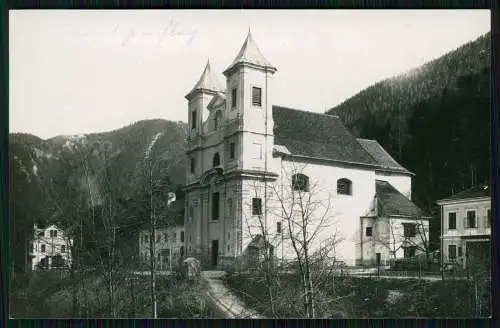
<point>306,111</point>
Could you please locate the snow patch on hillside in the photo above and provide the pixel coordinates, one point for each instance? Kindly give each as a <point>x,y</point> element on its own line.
<point>39,153</point>
<point>68,144</point>
<point>155,138</point>
<point>74,140</point>
<point>23,168</point>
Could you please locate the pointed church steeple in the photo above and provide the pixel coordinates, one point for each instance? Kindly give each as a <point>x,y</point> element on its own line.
<point>250,54</point>
<point>207,81</point>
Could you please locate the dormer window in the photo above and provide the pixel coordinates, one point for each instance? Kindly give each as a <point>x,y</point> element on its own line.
<point>233,98</point>
<point>344,186</point>
<point>256,96</point>
<point>216,160</point>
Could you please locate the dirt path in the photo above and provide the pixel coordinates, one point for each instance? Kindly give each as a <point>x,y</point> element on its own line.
<point>227,302</point>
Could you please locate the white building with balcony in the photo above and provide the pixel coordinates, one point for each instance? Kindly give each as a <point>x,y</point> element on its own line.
<point>50,248</point>
<point>244,153</point>
<point>466,225</point>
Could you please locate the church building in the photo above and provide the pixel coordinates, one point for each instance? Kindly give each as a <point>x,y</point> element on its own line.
<point>259,174</point>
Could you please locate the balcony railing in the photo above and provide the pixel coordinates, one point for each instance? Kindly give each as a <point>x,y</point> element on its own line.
<point>231,126</point>
<point>481,230</point>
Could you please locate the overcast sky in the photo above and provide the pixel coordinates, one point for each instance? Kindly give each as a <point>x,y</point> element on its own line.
<point>75,72</point>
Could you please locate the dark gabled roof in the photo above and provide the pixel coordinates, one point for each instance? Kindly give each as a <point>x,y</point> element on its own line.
<point>317,135</point>
<point>478,191</point>
<point>217,100</point>
<point>391,202</point>
<point>381,155</point>
<point>258,242</point>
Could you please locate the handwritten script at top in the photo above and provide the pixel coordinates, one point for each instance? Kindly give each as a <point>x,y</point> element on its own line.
<point>127,36</point>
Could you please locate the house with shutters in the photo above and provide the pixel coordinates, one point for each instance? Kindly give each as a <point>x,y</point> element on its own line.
<point>49,248</point>
<point>168,240</point>
<point>466,225</point>
<point>168,245</point>
<point>246,155</point>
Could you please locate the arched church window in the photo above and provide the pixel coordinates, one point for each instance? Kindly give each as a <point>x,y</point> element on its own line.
<point>300,182</point>
<point>216,160</point>
<point>344,186</point>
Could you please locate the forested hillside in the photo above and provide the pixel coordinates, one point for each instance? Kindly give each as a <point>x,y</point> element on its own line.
<point>68,180</point>
<point>434,120</point>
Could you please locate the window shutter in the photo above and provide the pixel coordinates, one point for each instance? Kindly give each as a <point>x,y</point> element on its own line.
<point>256,96</point>
<point>465,222</point>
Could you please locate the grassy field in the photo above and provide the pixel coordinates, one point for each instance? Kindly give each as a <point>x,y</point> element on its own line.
<point>356,297</point>
<point>46,294</point>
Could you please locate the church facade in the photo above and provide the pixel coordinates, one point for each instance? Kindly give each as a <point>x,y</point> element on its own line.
<point>260,173</point>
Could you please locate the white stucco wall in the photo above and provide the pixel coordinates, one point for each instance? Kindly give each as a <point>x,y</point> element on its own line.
<point>343,213</point>
<point>166,238</point>
<point>53,245</point>
<point>244,79</point>
<point>402,182</point>
<point>345,210</point>
<point>453,236</point>
<point>254,152</point>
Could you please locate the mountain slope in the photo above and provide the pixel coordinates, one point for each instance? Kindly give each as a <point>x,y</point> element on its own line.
<point>401,92</point>
<point>62,176</point>
<point>433,120</point>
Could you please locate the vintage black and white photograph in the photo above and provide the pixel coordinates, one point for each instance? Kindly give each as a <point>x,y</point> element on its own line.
<point>249,164</point>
